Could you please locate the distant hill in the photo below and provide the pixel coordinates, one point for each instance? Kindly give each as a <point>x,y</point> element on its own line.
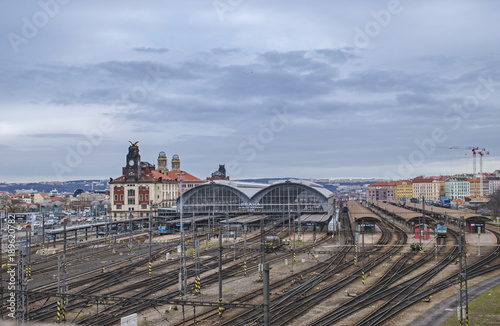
<point>333,185</point>
<point>264,180</point>
<point>61,187</point>
<point>327,185</point>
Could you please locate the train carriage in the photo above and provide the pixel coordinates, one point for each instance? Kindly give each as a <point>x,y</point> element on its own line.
<point>272,242</point>
<point>441,230</point>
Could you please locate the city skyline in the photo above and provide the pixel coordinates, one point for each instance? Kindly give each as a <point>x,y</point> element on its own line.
<point>326,89</point>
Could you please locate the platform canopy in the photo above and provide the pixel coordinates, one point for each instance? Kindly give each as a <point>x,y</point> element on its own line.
<point>406,215</point>
<point>360,214</point>
<point>454,214</point>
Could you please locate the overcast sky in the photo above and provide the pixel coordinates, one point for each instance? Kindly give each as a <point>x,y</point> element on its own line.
<point>286,88</point>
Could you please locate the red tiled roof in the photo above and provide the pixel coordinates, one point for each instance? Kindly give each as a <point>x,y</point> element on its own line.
<point>152,176</point>
<point>420,180</point>
<point>185,177</point>
<point>381,184</point>
<point>157,175</point>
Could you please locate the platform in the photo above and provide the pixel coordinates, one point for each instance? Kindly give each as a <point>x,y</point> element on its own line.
<point>487,238</point>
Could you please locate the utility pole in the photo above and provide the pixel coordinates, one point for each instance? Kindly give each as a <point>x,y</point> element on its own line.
<point>43,231</point>
<point>436,244</point>
<point>182,272</point>
<point>227,230</point>
<point>150,235</point>
<point>266,299</point>
<point>22,285</point>
<point>234,245</point>
<point>363,253</point>
<point>464,299</point>
<point>29,251</point>
<point>245,250</point>
<point>293,254</point>
<point>300,223</point>
<point>288,208</point>
<point>220,272</point>
<point>208,233</point>
<point>423,217</point>
<point>1,276</point>
<point>479,241</point>
<point>197,267</point>
<point>261,248</point>
<point>64,299</point>
<point>129,229</point>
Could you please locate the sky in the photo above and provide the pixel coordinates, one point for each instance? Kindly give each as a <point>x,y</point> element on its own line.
<point>306,89</point>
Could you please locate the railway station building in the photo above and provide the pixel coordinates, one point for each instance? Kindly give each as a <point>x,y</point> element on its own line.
<point>142,188</point>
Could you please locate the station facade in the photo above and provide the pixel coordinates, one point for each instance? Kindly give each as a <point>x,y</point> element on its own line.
<point>142,188</point>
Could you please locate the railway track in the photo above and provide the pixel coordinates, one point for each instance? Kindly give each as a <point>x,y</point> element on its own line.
<point>146,287</point>
<point>484,266</point>
<point>114,313</point>
<point>379,290</point>
<point>413,291</point>
<point>320,268</point>
<point>305,296</point>
<point>284,309</point>
<point>299,307</point>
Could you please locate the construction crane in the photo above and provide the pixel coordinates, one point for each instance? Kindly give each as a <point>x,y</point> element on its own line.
<point>481,152</point>
<point>474,152</point>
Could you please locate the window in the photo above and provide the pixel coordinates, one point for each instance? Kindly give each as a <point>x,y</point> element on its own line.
<point>131,192</point>
<point>118,206</point>
<point>147,197</point>
<point>140,197</point>
<point>131,201</point>
<point>116,197</point>
<point>144,206</point>
<point>121,197</point>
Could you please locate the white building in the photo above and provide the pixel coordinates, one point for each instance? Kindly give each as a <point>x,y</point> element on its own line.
<point>457,188</point>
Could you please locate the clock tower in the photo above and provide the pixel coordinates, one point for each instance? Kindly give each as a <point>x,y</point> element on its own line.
<point>132,167</point>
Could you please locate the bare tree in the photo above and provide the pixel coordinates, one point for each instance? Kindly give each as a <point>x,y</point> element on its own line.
<point>17,206</point>
<point>494,204</point>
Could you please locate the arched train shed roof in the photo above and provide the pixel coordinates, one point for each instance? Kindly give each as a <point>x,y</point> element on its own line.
<point>231,196</point>
<point>241,193</point>
<point>307,184</point>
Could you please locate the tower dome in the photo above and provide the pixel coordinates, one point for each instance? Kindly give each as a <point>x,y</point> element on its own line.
<point>162,163</point>
<point>176,163</point>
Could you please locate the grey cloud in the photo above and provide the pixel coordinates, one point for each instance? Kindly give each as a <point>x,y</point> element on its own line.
<point>220,51</point>
<point>337,56</point>
<point>151,50</point>
<point>56,136</point>
<point>378,81</point>
<point>441,60</point>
